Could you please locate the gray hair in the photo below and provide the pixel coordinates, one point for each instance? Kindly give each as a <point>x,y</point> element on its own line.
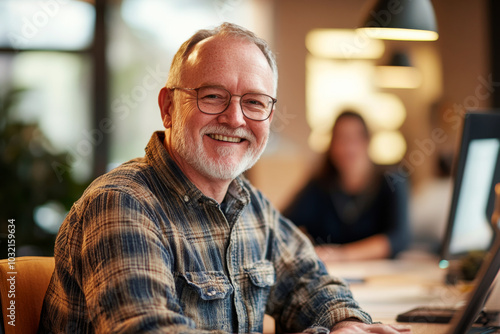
<point>226,30</point>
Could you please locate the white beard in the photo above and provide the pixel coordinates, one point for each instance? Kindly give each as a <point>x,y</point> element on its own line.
<point>198,158</point>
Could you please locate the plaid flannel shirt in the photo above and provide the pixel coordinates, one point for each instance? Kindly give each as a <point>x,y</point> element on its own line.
<point>143,250</point>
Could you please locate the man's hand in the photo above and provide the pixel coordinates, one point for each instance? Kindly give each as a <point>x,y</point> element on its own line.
<point>349,327</point>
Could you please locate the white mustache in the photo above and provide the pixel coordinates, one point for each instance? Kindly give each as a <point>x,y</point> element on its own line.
<point>222,130</point>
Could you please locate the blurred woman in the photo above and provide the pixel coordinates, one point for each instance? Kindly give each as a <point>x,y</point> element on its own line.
<point>352,210</point>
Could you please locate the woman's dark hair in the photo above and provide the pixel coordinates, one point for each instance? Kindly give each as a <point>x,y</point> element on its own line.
<point>351,114</point>
<point>328,172</point>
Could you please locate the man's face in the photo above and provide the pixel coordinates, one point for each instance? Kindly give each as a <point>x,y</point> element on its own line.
<point>225,145</point>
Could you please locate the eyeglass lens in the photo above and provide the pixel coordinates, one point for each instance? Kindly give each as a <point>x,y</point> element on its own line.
<point>214,100</point>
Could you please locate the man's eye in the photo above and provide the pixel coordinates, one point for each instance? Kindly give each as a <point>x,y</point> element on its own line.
<point>212,97</point>
<point>255,103</point>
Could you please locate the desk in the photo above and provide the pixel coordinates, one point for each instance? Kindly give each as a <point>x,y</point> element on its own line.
<point>385,288</point>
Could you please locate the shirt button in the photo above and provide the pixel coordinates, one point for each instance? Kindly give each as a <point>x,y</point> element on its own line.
<point>186,198</point>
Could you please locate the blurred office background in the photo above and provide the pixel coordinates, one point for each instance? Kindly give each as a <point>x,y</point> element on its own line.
<point>79,83</point>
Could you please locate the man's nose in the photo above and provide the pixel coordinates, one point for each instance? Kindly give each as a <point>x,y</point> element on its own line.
<point>233,115</point>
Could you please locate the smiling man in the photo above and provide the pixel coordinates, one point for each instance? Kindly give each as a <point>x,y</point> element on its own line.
<point>214,138</point>
<point>179,241</point>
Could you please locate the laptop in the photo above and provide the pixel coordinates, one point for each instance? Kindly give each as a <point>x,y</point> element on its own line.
<point>463,320</point>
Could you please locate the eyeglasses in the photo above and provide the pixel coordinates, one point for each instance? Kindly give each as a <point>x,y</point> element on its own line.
<point>215,100</point>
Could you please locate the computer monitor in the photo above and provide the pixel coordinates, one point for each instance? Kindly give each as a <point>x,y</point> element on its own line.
<point>477,170</point>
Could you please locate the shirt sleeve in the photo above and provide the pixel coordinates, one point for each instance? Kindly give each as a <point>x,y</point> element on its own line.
<point>126,274</point>
<point>305,296</point>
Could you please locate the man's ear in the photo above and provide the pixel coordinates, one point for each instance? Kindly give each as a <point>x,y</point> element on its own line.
<point>165,101</point>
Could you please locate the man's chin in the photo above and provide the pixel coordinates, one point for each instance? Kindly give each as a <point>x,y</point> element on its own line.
<point>224,169</point>
<point>223,164</point>
<point>224,172</point>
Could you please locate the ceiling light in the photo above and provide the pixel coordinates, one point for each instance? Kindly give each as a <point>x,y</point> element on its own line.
<point>399,73</point>
<point>343,44</point>
<point>412,20</point>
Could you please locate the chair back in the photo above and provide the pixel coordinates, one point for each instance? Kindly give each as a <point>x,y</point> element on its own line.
<point>23,283</point>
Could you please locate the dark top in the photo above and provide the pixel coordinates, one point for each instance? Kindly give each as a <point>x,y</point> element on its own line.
<point>332,216</point>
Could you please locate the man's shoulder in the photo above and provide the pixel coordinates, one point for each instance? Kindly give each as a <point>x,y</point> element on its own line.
<point>134,177</point>
<point>127,174</point>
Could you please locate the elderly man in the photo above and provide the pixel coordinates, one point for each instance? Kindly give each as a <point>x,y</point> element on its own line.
<point>179,241</point>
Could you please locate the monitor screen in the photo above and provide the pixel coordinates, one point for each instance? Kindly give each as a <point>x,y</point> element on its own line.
<point>476,172</point>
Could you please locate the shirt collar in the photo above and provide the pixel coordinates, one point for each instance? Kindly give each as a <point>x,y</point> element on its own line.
<point>172,176</point>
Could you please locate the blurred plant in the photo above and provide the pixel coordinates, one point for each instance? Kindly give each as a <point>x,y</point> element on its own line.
<point>28,181</point>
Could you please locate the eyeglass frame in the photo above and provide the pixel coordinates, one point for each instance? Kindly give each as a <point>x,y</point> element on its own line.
<point>274,100</point>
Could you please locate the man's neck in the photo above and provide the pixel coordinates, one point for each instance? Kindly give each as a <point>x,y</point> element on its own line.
<point>210,187</point>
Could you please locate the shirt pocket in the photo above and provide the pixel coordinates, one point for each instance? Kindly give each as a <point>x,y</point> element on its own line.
<point>205,298</point>
<point>209,285</point>
<point>262,274</point>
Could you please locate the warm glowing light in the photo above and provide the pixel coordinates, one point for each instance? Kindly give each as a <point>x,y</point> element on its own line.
<point>384,111</point>
<point>335,85</point>
<point>397,77</point>
<point>331,85</point>
<point>399,34</point>
<point>343,44</point>
<point>387,147</point>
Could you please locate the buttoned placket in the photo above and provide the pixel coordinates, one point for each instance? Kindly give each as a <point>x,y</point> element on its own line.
<point>232,259</point>
<point>231,255</point>
<point>233,265</point>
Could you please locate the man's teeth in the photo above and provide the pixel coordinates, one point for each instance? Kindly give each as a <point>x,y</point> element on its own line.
<point>225,138</point>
